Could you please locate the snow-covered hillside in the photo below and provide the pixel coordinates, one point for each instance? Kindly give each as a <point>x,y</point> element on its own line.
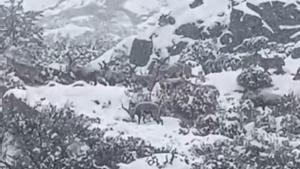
<point>120,15</point>
<point>243,56</point>
<point>229,23</point>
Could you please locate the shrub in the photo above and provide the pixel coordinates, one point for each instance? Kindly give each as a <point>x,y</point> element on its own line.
<point>206,54</point>
<point>199,52</point>
<point>190,102</point>
<point>58,138</point>
<point>224,62</point>
<point>253,44</point>
<point>288,105</point>
<point>246,153</point>
<point>254,78</point>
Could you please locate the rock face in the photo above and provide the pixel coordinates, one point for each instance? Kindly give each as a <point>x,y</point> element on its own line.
<point>276,20</point>
<point>141,51</point>
<point>296,53</point>
<point>229,28</point>
<point>196,3</point>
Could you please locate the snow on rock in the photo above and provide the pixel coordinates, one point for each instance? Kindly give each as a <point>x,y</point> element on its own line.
<point>219,12</point>
<point>257,2</point>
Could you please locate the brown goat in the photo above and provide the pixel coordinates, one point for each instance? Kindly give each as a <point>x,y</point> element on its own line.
<point>142,109</point>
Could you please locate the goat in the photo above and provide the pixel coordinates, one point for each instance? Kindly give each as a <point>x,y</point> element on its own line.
<point>28,73</point>
<point>142,109</point>
<point>276,63</point>
<point>262,99</point>
<point>177,70</point>
<point>297,75</point>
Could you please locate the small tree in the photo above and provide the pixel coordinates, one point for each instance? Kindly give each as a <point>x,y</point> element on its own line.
<point>20,29</point>
<point>200,52</point>
<point>254,78</point>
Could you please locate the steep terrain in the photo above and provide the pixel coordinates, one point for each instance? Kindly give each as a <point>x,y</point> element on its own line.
<point>119,18</point>
<point>229,24</point>
<point>230,29</point>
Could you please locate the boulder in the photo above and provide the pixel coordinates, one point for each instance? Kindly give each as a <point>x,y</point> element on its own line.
<point>166,20</point>
<point>190,30</point>
<point>141,51</point>
<point>196,3</point>
<point>296,53</point>
<point>263,99</point>
<point>267,22</point>
<point>3,90</point>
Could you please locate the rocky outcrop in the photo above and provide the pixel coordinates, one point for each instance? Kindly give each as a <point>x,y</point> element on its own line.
<point>190,30</point>
<point>296,53</point>
<point>275,20</point>
<point>196,3</point>
<point>278,21</point>
<point>141,51</point>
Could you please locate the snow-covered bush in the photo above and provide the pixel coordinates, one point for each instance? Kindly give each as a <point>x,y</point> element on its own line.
<point>206,54</point>
<point>72,53</point>
<point>254,78</point>
<point>243,152</point>
<point>289,105</point>
<point>288,111</point>
<point>190,102</point>
<point>249,61</point>
<point>58,138</point>
<point>228,123</point>
<point>253,44</point>
<point>19,28</point>
<point>221,63</point>
<point>199,52</point>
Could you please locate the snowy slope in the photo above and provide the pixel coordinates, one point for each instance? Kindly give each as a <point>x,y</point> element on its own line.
<point>112,16</point>
<point>213,14</point>
<point>83,95</point>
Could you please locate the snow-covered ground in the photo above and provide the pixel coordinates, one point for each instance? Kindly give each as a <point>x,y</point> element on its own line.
<point>83,96</point>
<point>105,102</point>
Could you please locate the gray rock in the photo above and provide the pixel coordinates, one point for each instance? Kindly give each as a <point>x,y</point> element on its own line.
<point>141,51</point>
<point>296,53</point>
